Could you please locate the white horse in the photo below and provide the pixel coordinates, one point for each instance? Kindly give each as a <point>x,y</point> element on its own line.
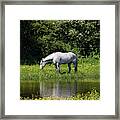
<point>59,58</point>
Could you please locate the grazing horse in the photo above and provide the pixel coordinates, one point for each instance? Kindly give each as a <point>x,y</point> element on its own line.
<point>59,58</point>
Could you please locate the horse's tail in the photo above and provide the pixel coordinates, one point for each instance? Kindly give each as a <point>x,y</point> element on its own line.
<point>76,64</point>
<point>75,61</point>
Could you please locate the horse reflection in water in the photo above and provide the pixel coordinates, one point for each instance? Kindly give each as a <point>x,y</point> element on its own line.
<point>58,87</point>
<point>59,58</point>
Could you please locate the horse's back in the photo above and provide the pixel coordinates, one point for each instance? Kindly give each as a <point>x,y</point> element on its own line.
<point>72,54</point>
<point>60,53</point>
<point>64,57</point>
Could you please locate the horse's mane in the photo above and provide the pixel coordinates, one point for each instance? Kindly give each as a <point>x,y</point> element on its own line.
<point>49,57</point>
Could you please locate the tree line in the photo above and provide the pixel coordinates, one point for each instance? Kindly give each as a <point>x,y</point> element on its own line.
<point>39,38</point>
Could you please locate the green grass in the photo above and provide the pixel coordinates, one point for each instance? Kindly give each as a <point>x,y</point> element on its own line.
<point>88,73</point>
<point>88,69</point>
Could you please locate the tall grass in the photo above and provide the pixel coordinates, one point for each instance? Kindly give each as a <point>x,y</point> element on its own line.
<point>88,69</point>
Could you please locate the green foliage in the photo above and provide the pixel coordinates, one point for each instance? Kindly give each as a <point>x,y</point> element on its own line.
<point>38,38</point>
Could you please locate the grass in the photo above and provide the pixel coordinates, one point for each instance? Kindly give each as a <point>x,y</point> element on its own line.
<point>87,76</point>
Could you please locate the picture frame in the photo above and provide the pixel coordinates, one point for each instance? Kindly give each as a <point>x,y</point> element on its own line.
<point>117,57</point>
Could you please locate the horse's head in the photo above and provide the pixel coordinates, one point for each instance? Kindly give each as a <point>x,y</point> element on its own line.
<point>42,63</point>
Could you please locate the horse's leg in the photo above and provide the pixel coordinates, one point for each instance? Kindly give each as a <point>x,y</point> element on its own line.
<point>58,67</point>
<point>69,67</point>
<point>75,65</point>
<point>55,66</point>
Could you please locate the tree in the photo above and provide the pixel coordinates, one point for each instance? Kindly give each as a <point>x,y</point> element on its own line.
<point>38,38</point>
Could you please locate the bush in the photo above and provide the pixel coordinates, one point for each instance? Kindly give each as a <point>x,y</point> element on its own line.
<point>38,38</point>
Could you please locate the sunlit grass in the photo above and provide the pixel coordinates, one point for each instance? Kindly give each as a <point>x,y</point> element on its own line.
<point>86,70</point>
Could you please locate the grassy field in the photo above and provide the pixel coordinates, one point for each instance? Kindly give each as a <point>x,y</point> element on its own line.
<point>87,80</point>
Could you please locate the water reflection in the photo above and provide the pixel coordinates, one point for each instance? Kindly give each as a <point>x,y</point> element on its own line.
<point>59,87</point>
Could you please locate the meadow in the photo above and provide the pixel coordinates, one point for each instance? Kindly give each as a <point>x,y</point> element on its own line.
<point>47,84</point>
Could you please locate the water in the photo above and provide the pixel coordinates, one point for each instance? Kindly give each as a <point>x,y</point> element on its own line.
<point>56,88</point>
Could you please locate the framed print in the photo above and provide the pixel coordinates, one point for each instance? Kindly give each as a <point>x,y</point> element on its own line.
<point>60,59</point>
